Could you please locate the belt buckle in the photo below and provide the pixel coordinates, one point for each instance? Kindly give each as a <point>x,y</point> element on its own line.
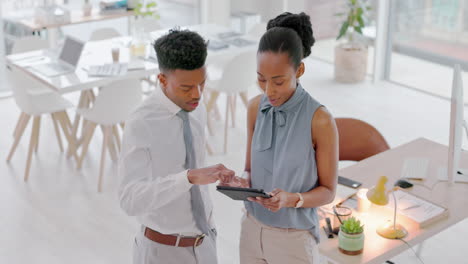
<point>198,239</point>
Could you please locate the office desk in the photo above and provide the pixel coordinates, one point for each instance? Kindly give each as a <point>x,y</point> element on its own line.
<point>99,52</point>
<point>94,53</point>
<point>452,196</point>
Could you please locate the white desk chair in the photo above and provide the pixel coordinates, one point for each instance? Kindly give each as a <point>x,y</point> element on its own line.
<point>113,105</point>
<point>27,44</point>
<point>238,75</point>
<point>35,106</point>
<point>87,97</point>
<point>104,33</point>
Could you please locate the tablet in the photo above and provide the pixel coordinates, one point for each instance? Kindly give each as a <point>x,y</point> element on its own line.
<point>241,194</point>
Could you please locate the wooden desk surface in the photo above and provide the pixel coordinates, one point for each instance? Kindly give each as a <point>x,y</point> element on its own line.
<point>452,196</point>
<point>76,18</point>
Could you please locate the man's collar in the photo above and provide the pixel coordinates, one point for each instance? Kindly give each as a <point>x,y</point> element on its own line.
<point>166,102</point>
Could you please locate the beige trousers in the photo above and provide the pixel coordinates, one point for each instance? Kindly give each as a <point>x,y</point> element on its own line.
<point>264,244</point>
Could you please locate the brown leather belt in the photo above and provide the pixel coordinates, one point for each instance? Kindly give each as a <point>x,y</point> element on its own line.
<point>171,240</point>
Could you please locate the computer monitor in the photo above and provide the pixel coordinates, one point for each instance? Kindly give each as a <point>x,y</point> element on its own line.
<point>457,123</point>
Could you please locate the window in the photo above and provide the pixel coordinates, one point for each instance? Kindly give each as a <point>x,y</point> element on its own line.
<point>427,38</point>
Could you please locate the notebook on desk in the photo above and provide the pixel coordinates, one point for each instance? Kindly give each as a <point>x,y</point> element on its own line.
<point>417,209</point>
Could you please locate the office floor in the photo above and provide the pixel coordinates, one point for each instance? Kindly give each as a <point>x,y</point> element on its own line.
<point>58,217</point>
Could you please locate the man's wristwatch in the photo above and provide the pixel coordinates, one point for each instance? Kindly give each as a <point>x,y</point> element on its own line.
<point>300,202</point>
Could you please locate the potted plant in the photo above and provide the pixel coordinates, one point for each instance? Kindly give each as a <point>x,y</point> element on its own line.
<point>351,237</point>
<point>146,9</point>
<point>351,56</point>
<point>146,16</point>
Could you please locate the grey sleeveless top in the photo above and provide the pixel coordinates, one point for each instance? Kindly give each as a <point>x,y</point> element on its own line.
<point>282,156</point>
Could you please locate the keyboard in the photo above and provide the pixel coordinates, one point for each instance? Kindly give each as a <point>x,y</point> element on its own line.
<point>415,168</point>
<point>111,69</point>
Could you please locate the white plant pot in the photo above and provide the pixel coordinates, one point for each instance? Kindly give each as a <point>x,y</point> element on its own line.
<point>146,24</point>
<point>350,64</point>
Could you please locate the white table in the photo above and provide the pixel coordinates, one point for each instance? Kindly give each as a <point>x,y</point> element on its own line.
<point>99,52</point>
<point>94,53</point>
<point>452,196</point>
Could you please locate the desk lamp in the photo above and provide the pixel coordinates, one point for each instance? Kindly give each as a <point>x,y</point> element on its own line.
<point>379,196</point>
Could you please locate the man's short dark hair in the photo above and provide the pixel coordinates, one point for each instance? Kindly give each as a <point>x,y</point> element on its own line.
<point>180,49</point>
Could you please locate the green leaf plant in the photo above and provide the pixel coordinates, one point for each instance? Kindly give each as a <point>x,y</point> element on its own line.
<point>352,226</point>
<point>354,21</point>
<point>146,10</point>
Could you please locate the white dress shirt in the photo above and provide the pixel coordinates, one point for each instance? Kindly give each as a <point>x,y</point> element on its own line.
<point>154,186</point>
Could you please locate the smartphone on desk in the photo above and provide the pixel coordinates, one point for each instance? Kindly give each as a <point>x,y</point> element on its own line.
<point>348,182</point>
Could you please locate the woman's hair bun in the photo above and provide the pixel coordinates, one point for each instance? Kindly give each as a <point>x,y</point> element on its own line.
<point>300,23</point>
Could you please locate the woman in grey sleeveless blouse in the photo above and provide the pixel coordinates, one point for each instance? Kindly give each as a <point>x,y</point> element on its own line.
<point>292,151</point>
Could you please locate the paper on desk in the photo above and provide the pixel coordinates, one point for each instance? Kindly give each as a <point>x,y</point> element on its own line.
<point>416,208</point>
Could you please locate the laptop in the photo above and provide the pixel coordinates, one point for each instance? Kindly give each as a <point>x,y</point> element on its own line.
<point>67,61</point>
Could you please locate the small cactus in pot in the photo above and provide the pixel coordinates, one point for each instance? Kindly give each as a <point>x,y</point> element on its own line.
<point>351,237</point>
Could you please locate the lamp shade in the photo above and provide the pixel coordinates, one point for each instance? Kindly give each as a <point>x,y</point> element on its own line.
<point>378,195</point>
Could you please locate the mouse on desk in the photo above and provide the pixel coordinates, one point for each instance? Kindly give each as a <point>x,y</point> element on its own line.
<point>403,184</point>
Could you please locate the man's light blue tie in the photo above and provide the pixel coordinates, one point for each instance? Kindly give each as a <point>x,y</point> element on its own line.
<point>198,207</point>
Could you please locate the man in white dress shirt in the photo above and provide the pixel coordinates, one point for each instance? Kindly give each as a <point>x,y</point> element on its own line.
<point>163,184</point>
